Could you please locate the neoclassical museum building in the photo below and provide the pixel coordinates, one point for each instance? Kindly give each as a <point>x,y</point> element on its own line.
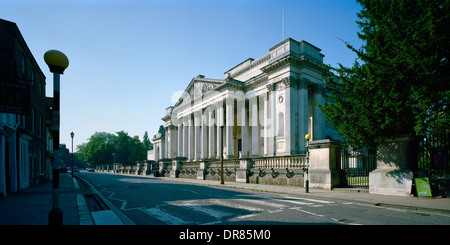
<point>256,116</point>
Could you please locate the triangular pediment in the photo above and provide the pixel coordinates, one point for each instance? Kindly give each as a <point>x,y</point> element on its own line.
<point>197,87</point>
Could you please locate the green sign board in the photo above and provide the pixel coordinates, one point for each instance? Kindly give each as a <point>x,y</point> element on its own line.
<point>423,187</point>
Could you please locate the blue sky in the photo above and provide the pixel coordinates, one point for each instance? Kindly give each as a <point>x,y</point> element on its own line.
<point>129,59</point>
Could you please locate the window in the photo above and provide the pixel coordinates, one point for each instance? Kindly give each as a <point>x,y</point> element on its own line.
<point>23,65</point>
<point>32,78</point>
<point>32,120</point>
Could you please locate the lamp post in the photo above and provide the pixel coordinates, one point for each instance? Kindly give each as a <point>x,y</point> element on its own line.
<point>114,163</point>
<point>57,62</point>
<point>307,137</point>
<point>71,135</point>
<point>221,155</point>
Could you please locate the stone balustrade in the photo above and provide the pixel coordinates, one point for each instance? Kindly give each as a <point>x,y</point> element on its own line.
<point>284,170</point>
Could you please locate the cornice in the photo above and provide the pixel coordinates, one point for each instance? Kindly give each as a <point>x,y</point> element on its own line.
<point>300,61</point>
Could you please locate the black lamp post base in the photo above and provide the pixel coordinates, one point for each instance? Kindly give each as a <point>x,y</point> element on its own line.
<point>55,217</point>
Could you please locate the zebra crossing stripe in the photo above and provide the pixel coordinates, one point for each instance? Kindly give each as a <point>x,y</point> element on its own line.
<point>204,210</point>
<point>164,216</point>
<point>261,202</point>
<point>311,200</point>
<point>231,204</point>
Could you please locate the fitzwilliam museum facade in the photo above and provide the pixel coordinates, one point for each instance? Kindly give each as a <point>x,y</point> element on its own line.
<point>255,117</point>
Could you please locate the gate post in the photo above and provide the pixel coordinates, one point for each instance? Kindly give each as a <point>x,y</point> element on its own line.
<point>241,173</point>
<point>395,159</point>
<point>324,172</point>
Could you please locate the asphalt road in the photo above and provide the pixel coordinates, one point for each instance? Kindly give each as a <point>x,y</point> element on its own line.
<point>151,201</point>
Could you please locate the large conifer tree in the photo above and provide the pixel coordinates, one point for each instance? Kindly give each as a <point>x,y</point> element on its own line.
<point>400,83</point>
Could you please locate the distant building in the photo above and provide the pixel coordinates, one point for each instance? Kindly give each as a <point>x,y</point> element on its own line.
<point>266,107</point>
<point>23,111</point>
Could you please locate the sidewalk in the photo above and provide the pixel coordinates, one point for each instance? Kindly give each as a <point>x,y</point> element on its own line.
<point>31,206</point>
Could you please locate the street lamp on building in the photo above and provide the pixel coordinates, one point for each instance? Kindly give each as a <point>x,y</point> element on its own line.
<point>57,62</point>
<point>71,135</point>
<point>305,169</point>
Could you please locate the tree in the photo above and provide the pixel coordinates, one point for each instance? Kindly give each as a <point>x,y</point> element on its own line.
<point>146,141</point>
<point>400,83</point>
<point>101,146</point>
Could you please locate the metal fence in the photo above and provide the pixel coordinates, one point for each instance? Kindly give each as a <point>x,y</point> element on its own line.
<point>433,153</point>
<point>357,163</point>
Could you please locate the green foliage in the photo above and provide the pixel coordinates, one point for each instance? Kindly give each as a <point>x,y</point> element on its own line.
<point>101,146</point>
<point>146,141</point>
<point>401,84</point>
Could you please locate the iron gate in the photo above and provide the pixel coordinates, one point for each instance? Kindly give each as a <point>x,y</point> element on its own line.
<point>357,163</point>
<point>434,152</point>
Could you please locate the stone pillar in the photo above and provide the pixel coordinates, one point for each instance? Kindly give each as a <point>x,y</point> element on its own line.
<point>241,173</point>
<point>174,144</point>
<point>197,124</point>
<point>324,172</point>
<point>302,113</point>
<point>266,124</point>
<point>191,139</point>
<point>229,126</point>
<point>212,145</point>
<point>176,165</point>
<point>219,123</point>
<point>204,137</point>
<point>256,145</point>
<point>291,142</point>
<point>180,140</point>
<point>318,115</point>
<point>245,141</point>
<point>169,133</point>
<point>185,138</point>
<point>201,171</point>
<point>393,175</point>
<point>271,114</point>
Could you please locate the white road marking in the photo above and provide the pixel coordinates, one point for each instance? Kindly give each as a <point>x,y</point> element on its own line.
<point>304,211</point>
<point>294,202</point>
<point>264,203</point>
<point>231,204</point>
<point>217,214</point>
<point>164,216</point>
<point>311,200</point>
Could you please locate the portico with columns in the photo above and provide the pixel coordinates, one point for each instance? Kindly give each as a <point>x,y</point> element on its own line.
<point>266,106</point>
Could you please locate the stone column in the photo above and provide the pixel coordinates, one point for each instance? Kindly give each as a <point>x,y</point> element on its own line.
<point>219,123</point>
<point>302,113</point>
<point>229,125</point>
<point>324,172</point>
<point>256,147</point>
<point>191,139</point>
<point>272,119</point>
<point>169,133</point>
<point>180,140</point>
<point>318,115</point>
<point>163,148</point>
<point>173,140</point>
<point>185,137</point>
<point>212,145</point>
<point>266,124</point>
<point>242,109</point>
<point>197,123</point>
<point>204,136</point>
